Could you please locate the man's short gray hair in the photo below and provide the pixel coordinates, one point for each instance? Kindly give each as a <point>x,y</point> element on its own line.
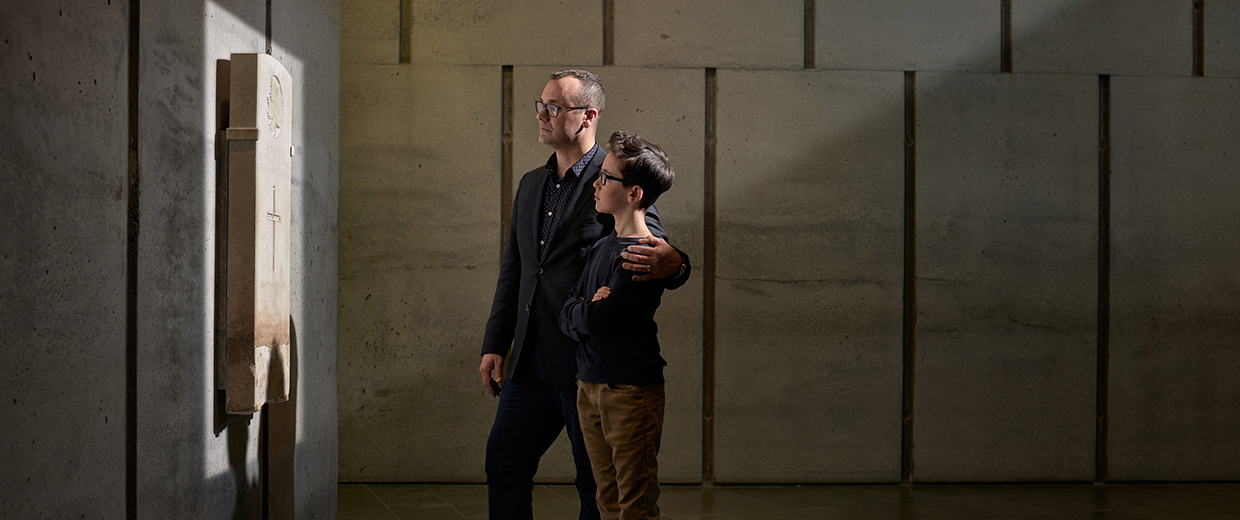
<point>590,93</point>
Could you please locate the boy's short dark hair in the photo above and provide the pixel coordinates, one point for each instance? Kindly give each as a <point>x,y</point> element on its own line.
<point>642,163</point>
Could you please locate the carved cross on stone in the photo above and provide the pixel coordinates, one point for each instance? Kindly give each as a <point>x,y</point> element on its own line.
<point>274,218</point>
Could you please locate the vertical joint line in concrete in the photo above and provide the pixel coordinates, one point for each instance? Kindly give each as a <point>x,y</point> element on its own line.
<point>708,284</point>
<point>505,176</point>
<point>131,271</point>
<point>910,275</point>
<point>810,14</point>
<point>268,27</point>
<point>1005,31</point>
<point>406,31</point>
<point>1104,277</point>
<point>1199,38</point>
<point>609,32</point>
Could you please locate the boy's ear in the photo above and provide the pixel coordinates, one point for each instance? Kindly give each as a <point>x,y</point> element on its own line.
<point>635,195</point>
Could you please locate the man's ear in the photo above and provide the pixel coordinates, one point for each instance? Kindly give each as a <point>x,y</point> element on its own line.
<point>591,118</point>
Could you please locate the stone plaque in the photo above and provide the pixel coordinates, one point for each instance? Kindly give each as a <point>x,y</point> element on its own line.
<point>259,190</point>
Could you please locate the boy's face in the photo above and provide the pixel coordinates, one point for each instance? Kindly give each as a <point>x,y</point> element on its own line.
<point>615,195</point>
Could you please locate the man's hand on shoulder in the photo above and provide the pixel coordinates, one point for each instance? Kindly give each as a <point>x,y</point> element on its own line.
<point>657,259</point>
<point>492,372</point>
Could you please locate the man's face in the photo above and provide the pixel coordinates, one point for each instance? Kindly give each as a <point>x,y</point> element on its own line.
<point>566,127</point>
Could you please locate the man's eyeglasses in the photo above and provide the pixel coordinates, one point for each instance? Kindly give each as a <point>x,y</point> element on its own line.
<point>552,110</point>
<point>605,177</point>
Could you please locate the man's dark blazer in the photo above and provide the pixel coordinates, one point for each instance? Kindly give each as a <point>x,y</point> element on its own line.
<point>532,290</point>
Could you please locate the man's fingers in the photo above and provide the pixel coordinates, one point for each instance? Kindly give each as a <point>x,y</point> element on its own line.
<point>650,239</point>
<point>642,277</point>
<point>639,250</point>
<point>641,268</point>
<point>491,371</point>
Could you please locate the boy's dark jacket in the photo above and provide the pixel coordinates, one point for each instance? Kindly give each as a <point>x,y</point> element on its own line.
<point>531,291</point>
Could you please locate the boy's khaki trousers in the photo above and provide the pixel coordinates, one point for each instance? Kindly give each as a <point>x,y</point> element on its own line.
<point>622,426</point>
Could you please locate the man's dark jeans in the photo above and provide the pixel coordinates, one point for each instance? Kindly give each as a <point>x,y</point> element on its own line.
<point>529,419</point>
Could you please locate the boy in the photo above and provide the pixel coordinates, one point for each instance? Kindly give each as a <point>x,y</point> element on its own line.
<point>619,370</point>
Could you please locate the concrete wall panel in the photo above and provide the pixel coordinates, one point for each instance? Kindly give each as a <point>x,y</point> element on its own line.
<point>1174,403</point>
<point>524,32</point>
<point>370,31</point>
<point>63,188</point>
<point>191,457</point>
<point>960,35</point>
<point>67,85</point>
<point>810,218</point>
<point>303,432</point>
<point>730,33</point>
<point>1123,37</point>
<point>1006,277</point>
<point>1222,39</point>
<point>419,236</point>
<point>667,107</point>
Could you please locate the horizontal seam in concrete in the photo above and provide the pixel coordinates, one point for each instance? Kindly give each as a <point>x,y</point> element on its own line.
<point>853,281</point>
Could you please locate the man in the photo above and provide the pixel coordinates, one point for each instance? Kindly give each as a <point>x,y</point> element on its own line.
<point>553,225</point>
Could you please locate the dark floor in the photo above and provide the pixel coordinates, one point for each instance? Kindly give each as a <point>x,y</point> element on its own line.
<point>971,502</point>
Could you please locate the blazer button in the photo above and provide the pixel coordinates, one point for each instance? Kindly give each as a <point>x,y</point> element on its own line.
<point>527,308</point>
<point>540,270</point>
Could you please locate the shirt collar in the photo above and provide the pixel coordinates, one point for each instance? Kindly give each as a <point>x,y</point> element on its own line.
<point>575,170</point>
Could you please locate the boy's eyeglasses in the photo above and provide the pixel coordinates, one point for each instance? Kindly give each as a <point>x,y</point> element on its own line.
<point>552,110</point>
<point>604,178</point>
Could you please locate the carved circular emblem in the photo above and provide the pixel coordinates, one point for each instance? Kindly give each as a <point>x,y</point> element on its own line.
<point>275,106</point>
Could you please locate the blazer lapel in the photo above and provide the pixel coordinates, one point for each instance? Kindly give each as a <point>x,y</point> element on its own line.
<point>580,196</point>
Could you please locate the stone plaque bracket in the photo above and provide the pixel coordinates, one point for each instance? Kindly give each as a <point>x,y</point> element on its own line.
<point>253,212</point>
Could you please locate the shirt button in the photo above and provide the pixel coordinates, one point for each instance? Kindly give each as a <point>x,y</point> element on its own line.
<point>548,213</point>
<point>542,242</point>
<point>557,186</point>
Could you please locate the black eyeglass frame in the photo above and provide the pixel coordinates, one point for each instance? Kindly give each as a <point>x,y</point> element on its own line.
<point>604,176</point>
<point>553,110</point>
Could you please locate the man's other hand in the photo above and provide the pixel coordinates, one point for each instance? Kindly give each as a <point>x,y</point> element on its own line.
<point>656,260</point>
<point>602,293</point>
<point>492,372</point>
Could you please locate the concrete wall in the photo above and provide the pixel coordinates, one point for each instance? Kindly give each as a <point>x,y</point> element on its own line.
<point>807,155</point>
<point>1176,292</point>
<point>62,259</point>
<point>1007,226</point>
<point>66,170</point>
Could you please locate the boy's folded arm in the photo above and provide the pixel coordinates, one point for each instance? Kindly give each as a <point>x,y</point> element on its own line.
<point>572,315</point>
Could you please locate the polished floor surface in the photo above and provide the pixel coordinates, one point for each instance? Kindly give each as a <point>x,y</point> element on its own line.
<point>971,502</point>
